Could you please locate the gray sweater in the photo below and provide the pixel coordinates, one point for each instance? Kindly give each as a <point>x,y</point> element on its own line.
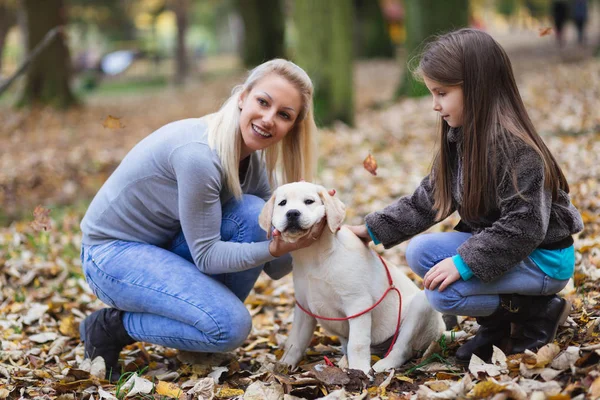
<point>517,224</point>
<point>171,181</point>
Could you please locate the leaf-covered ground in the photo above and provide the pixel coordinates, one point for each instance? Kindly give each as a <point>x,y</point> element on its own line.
<point>49,158</point>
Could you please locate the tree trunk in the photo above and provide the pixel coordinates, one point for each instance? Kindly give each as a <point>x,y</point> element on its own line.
<point>324,50</point>
<point>8,18</point>
<point>371,33</point>
<point>423,19</point>
<point>181,12</point>
<point>263,31</point>
<point>48,77</point>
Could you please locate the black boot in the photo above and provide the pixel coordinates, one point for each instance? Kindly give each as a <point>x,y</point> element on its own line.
<point>539,319</point>
<point>494,330</point>
<point>104,335</point>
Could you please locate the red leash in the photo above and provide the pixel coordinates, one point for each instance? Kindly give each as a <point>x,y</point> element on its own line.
<point>390,288</point>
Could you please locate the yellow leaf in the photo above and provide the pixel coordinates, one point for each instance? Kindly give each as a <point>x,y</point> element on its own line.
<point>594,390</point>
<point>113,122</point>
<point>485,389</point>
<point>170,390</point>
<point>226,393</point>
<point>404,378</point>
<point>69,327</point>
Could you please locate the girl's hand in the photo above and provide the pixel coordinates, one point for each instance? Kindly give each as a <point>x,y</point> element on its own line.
<point>278,247</point>
<point>443,274</point>
<point>360,231</point>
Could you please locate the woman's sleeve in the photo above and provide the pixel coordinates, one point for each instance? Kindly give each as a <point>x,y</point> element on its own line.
<point>198,175</point>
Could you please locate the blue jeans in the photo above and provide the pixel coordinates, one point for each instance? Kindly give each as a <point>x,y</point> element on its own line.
<point>166,299</point>
<point>473,297</point>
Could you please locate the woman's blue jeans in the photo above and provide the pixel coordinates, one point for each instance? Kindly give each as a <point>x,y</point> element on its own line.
<point>166,299</point>
<point>473,297</point>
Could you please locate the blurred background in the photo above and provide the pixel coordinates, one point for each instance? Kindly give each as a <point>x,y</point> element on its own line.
<point>82,81</point>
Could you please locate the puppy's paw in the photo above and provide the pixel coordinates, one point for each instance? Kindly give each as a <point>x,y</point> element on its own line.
<point>384,365</point>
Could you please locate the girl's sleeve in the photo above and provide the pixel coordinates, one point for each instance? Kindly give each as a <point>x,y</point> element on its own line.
<point>407,217</point>
<point>198,175</point>
<point>523,221</point>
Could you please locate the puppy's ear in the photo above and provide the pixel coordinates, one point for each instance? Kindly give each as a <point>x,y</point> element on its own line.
<point>335,210</point>
<point>266,216</point>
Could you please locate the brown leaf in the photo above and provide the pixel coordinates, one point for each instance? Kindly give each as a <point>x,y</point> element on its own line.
<point>545,31</point>
<point>111,122</point>
<point>41,219</point>
<point>370,164</point>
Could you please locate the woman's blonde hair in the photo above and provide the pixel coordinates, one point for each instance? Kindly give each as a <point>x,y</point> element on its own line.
<point>297,146</point>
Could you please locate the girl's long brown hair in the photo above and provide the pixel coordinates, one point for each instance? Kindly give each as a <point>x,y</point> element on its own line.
<point>492,110</point>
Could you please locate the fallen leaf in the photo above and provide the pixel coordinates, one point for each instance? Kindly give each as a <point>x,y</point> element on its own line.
<point>566,359</point>
<point>41,219</point>
<point>485,389</point>
<point>137,385</point>
<point>43,337</point>
<point>370,164</point>
<point>111,122</point>
<point>264,391</point>
<point>594,390</point>
<point>545,31</point>
<point>203,389</point>
<point>169,389</point>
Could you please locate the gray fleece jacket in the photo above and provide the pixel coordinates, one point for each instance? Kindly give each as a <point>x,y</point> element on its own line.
<point>515,227</point>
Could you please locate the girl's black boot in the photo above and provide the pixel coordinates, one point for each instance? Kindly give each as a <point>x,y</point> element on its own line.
<point>494,330</point>
<point>104,335</point>
<point>539,320</point>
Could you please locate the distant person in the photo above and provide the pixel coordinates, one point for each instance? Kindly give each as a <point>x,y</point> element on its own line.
<point>560,14</point>
<point>580,17</point>
<point>171,242</point>
<point>513,249</point>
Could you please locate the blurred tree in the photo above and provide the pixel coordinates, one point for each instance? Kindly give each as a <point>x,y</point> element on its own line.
<point>372,38</point>
<point>507,8</point>
<point>181,8</point>
<point>538,8</point>
<point>421,24</point>
<point>8,19</point>
<point>264,28</point>
<point>47,79</point>
<point>112,17</point>
<point>324,50</point>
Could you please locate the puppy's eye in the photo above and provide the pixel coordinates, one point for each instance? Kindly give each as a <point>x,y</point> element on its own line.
<point>282,203</point>
<point>308,201</point>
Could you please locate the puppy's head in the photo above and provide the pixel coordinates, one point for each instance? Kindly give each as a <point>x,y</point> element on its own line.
<point>296,207</point>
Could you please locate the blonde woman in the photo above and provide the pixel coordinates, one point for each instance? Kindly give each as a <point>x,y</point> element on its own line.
<point>171,242</point>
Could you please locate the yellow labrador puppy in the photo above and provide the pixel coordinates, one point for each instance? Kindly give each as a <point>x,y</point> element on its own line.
<point>338,276</point>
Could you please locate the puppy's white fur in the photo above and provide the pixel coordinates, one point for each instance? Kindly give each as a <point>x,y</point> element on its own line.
<point>339,276</point>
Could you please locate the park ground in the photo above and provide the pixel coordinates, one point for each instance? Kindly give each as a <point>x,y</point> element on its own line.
<point>58,160</point>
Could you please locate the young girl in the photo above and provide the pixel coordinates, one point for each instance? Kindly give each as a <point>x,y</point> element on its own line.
<point>171,242</point>
<point>513,249</point>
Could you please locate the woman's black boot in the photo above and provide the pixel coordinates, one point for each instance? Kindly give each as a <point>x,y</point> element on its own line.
<point>539,320</point>
<point>104,335</point>
<point>494,330</point>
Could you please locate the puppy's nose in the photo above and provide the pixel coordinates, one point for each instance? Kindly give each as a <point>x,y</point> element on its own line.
<point>292,214</point>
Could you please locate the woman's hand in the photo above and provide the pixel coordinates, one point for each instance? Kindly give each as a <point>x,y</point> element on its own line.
<point>360,231</point>
<point>443,274</point>
<point>279,247</point>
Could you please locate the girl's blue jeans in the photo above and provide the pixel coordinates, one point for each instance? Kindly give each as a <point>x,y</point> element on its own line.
<point>473,297</point>
<point>166,299</point>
